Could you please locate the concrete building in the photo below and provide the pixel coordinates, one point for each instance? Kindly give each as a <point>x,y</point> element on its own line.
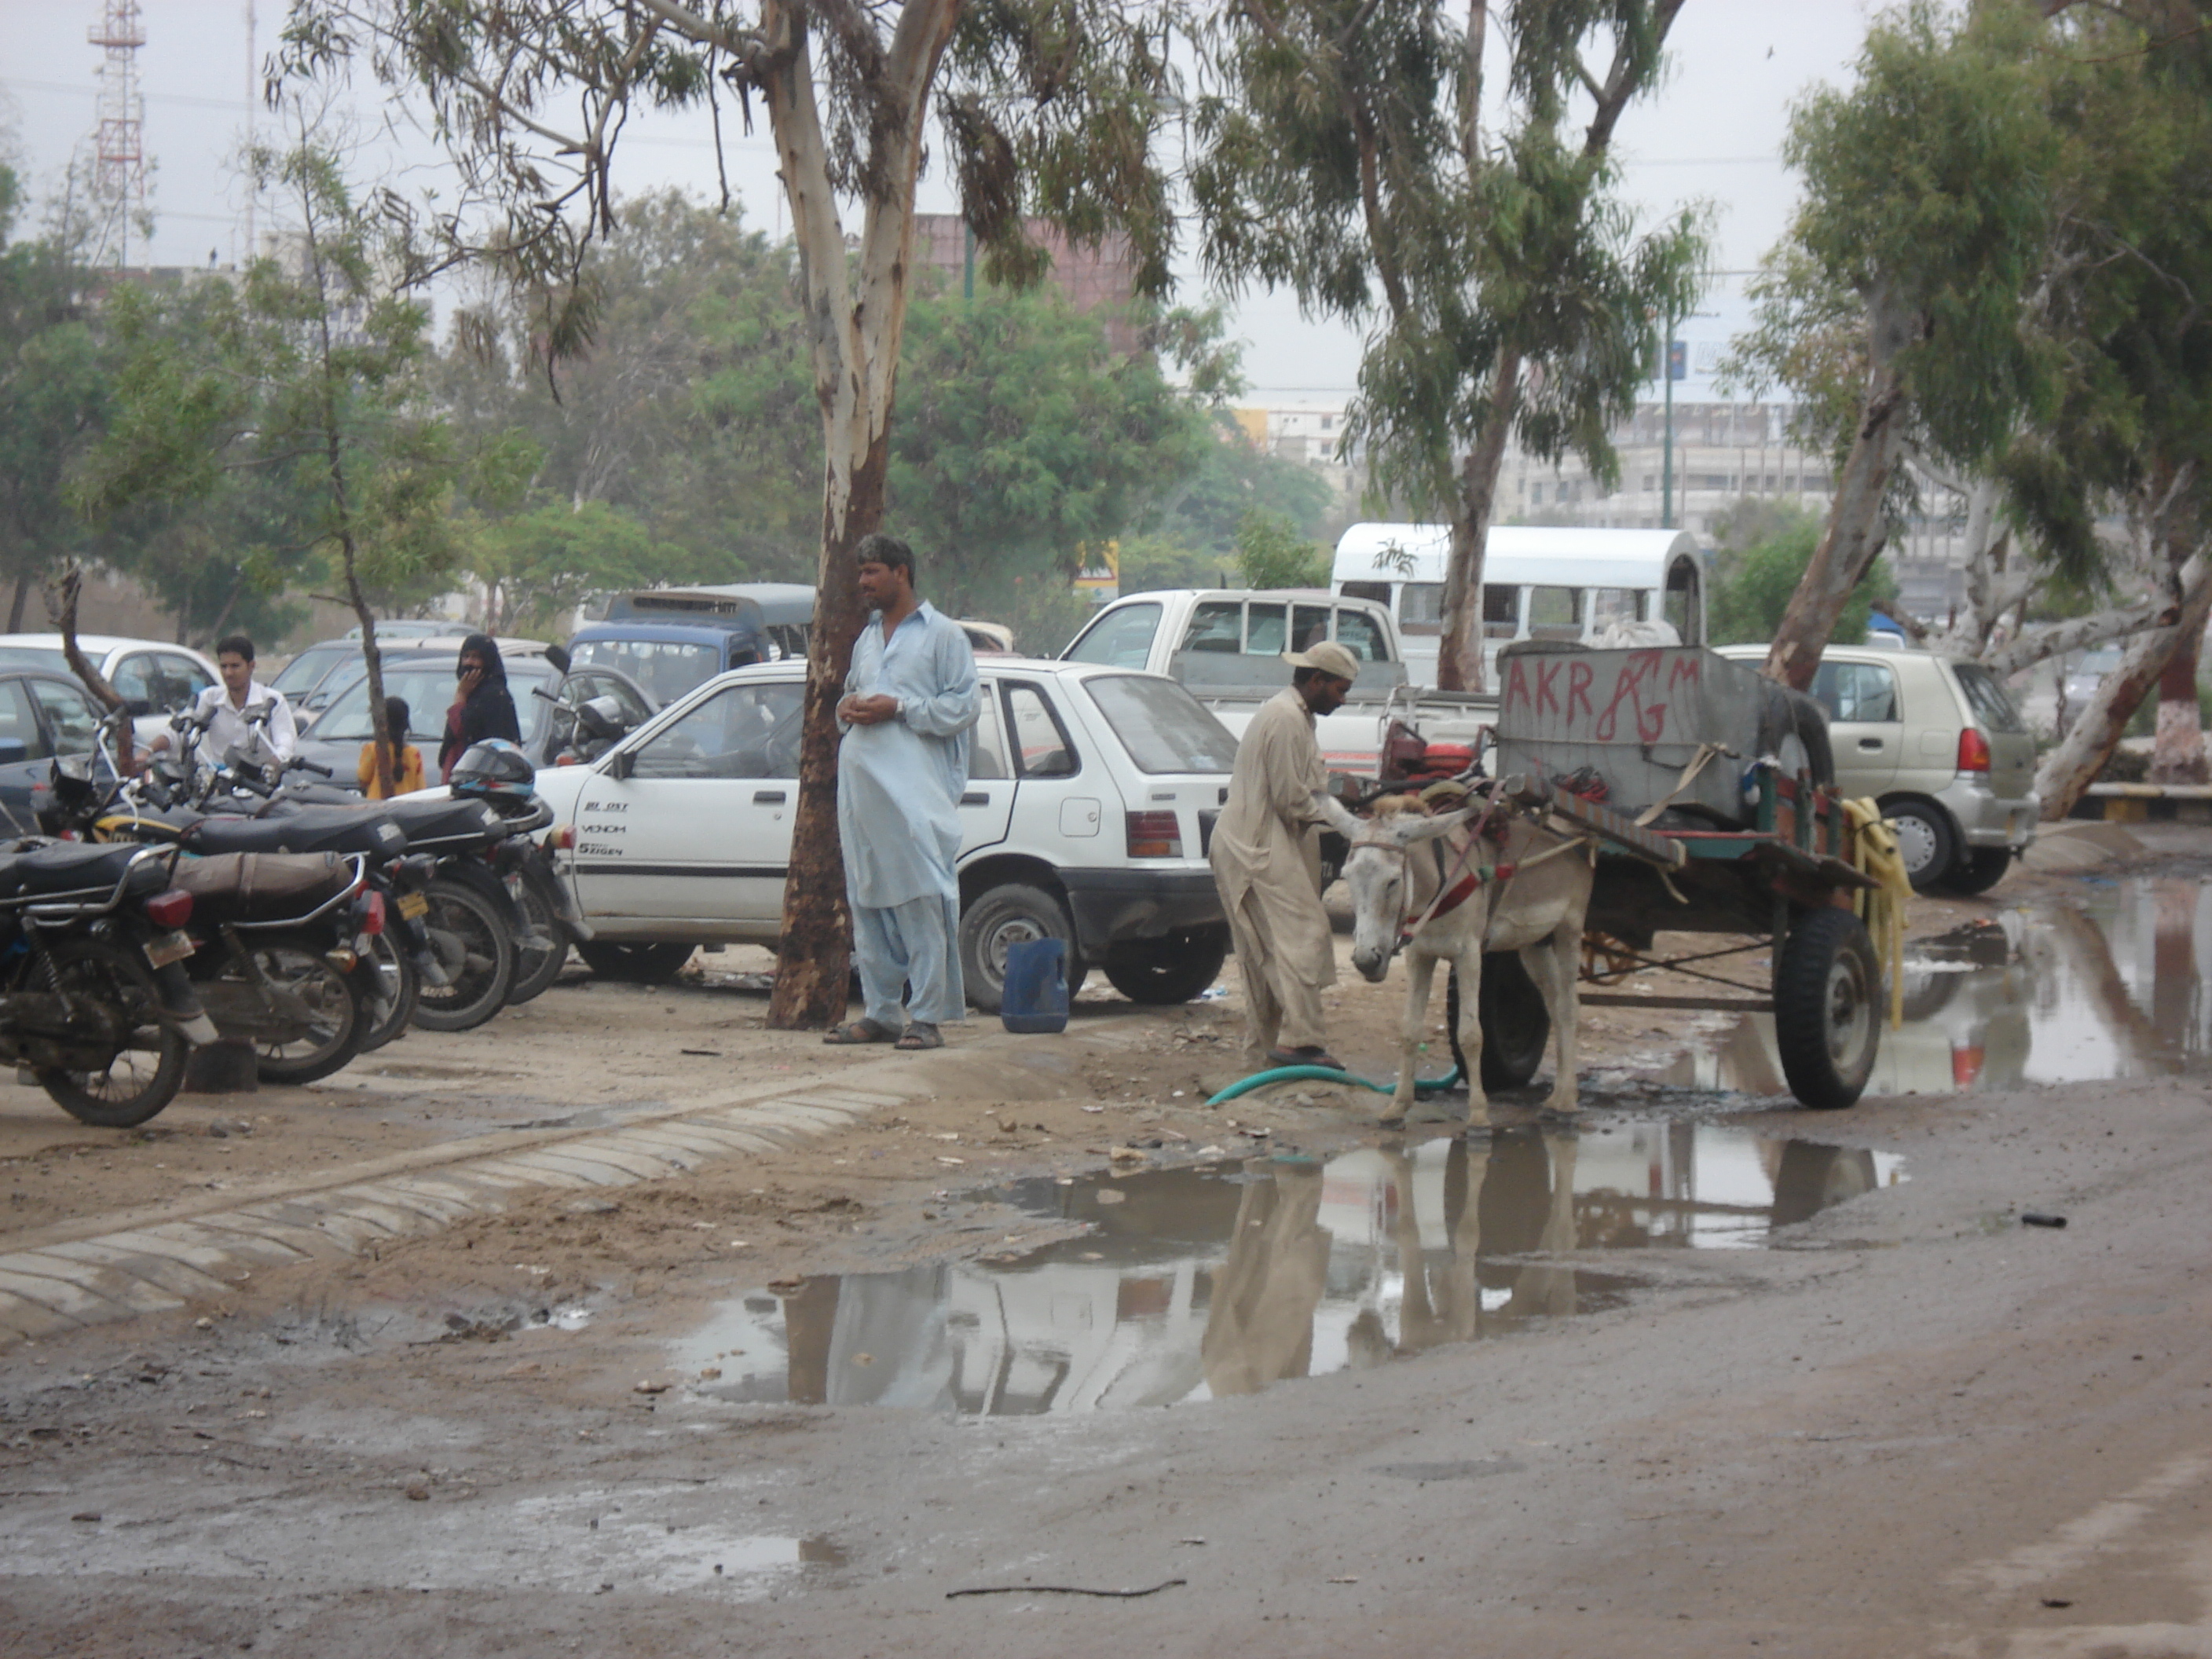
<point>1103,277</point>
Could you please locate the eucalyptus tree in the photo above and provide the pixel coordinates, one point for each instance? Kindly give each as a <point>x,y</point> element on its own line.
<point>307,375</point>
<point>1351,151</point>
<point>1043,106</point>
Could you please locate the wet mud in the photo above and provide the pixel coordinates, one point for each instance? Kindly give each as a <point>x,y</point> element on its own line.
<point>1222,1278</point>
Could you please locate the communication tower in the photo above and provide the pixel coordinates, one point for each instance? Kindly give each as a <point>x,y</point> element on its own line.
<point>120,144</point>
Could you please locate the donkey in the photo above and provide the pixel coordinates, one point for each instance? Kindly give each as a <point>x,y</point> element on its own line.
<point>1398,858</point>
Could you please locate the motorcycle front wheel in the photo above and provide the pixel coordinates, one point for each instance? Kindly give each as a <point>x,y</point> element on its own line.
<point>310,993</point>
<point>475,943</point>
<point>149,1067</point>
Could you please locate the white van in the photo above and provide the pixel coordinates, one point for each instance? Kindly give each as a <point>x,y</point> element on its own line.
<point>1537,583</point>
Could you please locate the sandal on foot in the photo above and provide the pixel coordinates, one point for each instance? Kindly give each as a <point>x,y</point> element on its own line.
<point>1305,1057</point>
<point>860,1030</point>
<point>921,1034</point>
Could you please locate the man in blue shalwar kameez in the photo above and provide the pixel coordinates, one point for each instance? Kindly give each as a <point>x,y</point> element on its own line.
<point>910,702</point>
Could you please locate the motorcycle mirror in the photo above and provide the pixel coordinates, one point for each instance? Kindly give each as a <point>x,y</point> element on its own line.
<point>558,656</point>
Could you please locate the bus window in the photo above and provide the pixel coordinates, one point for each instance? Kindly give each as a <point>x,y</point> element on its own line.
<point>1501,612</point>
<point>1420,607</point>
<point>1609,606</point>
<point>1555,613</point>
<point>1263,630</point>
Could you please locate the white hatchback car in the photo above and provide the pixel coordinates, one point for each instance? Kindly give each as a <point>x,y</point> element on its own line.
<point>1091,796</point>
<point>157,679</point>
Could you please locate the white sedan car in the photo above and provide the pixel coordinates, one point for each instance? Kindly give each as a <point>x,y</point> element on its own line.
<point>1091,795</point>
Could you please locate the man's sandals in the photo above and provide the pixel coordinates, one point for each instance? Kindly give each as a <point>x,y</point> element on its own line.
<point>917,1035</point>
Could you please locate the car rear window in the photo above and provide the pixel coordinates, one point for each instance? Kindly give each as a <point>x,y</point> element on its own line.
<point>1986,695</point>
<point>1162,726</point>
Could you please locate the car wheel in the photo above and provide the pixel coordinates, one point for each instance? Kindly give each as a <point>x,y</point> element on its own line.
<point>1925,840</point>
<point>634,964</point>
<point>1168,972</point>
<point>1004,916</point>
<point>1983,868</point>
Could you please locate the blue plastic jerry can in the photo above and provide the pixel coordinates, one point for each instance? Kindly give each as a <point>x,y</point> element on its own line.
<point>1035,995</point>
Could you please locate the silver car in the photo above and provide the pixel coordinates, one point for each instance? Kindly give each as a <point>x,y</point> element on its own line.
<point>1939,743</point>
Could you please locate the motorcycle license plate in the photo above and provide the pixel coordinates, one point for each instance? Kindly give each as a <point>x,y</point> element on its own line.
<point>168,948</point>
<point>412,905</point>
<point>514,886</point>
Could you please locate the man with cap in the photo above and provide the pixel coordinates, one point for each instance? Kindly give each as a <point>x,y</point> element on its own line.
<point>1266,862</point>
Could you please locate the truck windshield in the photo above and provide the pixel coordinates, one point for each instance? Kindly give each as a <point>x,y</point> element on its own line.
<point>665,668</point>
<point>1162,726</point>
<point>1121,638</point>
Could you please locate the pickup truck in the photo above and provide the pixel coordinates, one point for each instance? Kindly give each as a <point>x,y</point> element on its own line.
<point>1091,795</point>
<point>1226,645</point>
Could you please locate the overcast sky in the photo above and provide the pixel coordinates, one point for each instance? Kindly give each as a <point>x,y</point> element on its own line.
<point>1713,132</point>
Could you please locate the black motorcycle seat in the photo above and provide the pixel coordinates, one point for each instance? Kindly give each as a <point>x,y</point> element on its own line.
<point>311,829</point>
<point>64,866</point>
<point>433,822</point>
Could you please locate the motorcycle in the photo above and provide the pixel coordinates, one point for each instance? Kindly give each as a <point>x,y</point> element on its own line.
<point>500,774</point>
<point>95,1004</point>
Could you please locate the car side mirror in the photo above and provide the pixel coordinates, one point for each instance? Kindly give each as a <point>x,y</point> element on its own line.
<point>137,707</point>
<point>623,763</point>
<point>14,751</point>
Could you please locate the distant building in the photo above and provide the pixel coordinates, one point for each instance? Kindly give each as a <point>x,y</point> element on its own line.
<point>1306,430</point>
<point>1104,277</point>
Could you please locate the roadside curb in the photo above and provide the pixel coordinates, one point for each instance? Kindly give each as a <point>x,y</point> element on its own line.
<point>101,1269</point>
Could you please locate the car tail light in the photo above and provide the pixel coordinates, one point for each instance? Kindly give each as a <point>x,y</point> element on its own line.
<point>1155,836</point>
<point>1966,1065</point>
<point>1974,751</point>
<point>173,909</point>
<point>372,913</point>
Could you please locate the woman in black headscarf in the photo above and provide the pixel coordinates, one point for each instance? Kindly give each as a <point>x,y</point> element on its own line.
<point>482,707</point>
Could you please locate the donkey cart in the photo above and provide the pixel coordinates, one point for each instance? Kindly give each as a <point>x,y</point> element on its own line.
<point>1707,793</point>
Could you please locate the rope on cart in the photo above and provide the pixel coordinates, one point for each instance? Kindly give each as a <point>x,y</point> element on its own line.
<point>1875,852</point>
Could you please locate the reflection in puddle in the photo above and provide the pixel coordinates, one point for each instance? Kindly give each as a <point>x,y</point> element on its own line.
<point>1197,1283</point>
<point>2112,987</point>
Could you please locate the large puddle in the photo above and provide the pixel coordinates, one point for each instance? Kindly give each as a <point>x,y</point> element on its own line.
<point>1196,1282</point>
<point>2111,986</point>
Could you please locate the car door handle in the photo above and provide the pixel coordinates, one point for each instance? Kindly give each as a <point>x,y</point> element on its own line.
<point>1870,743</point>
<point>976,797</point>
<point>767,797</point>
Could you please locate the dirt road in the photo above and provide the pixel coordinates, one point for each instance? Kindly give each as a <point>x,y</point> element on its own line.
<point>1556,1419</point>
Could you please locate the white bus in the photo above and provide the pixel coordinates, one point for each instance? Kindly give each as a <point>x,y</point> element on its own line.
<point>1537,583</point>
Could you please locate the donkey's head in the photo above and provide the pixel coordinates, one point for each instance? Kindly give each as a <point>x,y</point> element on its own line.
<point>1375,872</point>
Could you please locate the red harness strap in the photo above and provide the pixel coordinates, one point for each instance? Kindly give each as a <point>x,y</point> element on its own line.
<point>1464,889</point>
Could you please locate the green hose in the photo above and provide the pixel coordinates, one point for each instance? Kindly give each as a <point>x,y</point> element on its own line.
<point>1329,1074</point>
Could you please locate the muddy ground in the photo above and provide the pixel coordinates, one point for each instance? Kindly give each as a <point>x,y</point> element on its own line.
<point>1911,1424</point>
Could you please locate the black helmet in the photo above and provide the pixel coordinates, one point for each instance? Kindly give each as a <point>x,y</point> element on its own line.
<point>494,766</point>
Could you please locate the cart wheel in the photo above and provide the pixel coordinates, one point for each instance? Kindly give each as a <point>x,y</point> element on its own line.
<point>1827,999</point>
<point>1515,1030</point>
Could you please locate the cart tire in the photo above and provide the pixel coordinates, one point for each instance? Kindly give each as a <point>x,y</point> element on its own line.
<point>1515,1029</point>
<point>1827,1008</point>
<point>1784,714</point>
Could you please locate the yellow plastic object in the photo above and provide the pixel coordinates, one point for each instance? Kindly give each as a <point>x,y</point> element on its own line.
<point>1875,852</point>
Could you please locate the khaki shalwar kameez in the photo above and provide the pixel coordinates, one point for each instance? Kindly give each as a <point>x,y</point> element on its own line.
<point>1266,862</point>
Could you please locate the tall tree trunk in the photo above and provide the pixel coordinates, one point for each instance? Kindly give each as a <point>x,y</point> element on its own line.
<point>2176,753</point>
<point>23,596</point>
<point>856,315</point>
<point>1459,656</point>
<point>2073,765</point>
<point>1854,536</point>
